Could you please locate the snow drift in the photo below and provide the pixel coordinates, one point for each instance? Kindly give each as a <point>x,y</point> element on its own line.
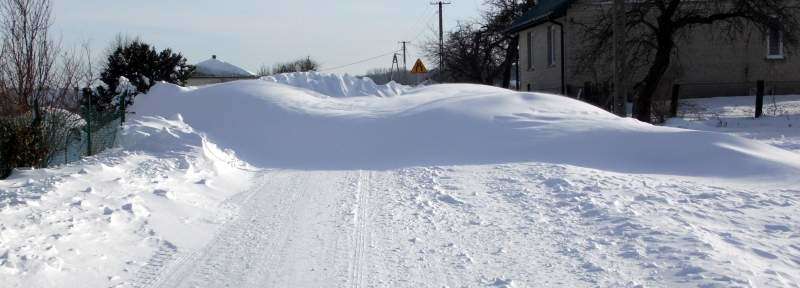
<point>98,217</point>
<point>337,85</point>
<point>274,125</point>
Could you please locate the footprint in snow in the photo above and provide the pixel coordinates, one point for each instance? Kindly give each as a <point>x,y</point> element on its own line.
<point>161,193</point>
<point>503,283</point>
<point>764,254</point>
<point>774,228</point>
<point>449,199</point>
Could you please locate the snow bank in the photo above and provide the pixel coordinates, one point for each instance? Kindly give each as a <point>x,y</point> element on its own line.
<point>337,85</point>
<point>219,68</point>
<point>106,219</point>
<point>272,125</point>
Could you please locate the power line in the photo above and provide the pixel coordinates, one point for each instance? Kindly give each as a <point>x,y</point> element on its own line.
<point>423,16</point>
<point>426,27</point>
<point>419,20</point>
<point>359,61</point>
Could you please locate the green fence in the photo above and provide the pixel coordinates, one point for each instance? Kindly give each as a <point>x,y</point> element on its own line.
<point>98,131</point>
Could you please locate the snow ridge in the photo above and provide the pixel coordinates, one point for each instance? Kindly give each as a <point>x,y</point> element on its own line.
<point>335,85</point>
<point>450,125</point>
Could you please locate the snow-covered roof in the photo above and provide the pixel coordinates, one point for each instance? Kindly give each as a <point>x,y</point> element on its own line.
<point>217,68</point>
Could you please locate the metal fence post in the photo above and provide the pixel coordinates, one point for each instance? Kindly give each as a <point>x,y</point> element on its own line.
<point>759,98</point>
<point>123,106</point>
<point>676,92</point>
<point>89,111</point>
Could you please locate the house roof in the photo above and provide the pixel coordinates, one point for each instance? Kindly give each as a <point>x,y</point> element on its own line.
<point>217,68</point>
<point>544,11</point>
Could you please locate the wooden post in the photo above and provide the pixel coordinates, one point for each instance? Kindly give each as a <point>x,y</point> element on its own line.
<point>759,98</point>
<point>676,92</point>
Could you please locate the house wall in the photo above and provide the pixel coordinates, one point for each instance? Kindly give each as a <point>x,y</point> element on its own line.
<point>708,64</point>
<point>541,76</point>
<point>705,64</point>
<point>546,78</point>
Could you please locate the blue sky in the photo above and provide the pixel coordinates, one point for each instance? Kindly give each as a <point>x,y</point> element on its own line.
<point>249,33</point>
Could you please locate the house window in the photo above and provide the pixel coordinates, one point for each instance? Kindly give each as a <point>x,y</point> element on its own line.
<point>774,44</point>
<point>530,50</point>
<point>551,49</point>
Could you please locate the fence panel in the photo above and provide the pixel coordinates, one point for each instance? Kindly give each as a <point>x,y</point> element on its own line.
<point>99,132</point>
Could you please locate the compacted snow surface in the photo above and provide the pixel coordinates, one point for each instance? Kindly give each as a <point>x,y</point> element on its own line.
<point>259,184</point>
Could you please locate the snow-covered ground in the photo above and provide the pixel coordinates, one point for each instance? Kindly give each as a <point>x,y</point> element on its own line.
<point>258,184</point>
<point>780,125</point>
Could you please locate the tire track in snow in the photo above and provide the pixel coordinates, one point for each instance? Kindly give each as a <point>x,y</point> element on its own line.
<point>360,231</point>
<point>234,253</point>
<point>152,271</point>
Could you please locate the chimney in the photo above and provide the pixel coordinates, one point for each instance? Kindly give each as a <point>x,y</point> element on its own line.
<point>213,56</point>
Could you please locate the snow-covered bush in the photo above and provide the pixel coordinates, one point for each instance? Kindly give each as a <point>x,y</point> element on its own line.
<point>142,66</point>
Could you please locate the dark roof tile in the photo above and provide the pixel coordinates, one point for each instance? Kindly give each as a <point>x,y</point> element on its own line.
<point>543,11</point>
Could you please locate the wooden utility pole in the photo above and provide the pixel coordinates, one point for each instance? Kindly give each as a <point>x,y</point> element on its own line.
<point>405,67</point>
<point>620,97</point>
<point>441,33</point>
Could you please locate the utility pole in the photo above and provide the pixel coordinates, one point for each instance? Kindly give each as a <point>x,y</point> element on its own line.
<point>620,97</point>
<point>441,33</point>
<point>395,63</point>
<point>405,67</point>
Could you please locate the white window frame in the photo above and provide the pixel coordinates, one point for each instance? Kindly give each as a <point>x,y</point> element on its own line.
<point>530,51</point>
<point>551,46</point>
<point>781,54</point>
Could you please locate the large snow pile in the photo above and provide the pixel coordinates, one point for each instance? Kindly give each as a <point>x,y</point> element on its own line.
<point>273,125</point>
<point>218,68</point>
<point>338,85</point>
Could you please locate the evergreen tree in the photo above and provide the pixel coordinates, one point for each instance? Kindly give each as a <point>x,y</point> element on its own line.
<point>144,67</point>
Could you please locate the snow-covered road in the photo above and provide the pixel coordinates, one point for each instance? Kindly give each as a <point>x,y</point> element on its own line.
<point>513,225</point>
<point>446,186</point>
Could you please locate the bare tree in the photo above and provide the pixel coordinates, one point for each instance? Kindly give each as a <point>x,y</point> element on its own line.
<point>264,70</point>
<point>37,81</point>
<point>653,28</point>
<point>499,16</point>
<point>474,54</point>
<point>300,65</point>
<point>480,51</point>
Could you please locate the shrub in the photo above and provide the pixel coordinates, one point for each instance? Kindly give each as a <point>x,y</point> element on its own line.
<point>300,65</point>
<point>143,66</point>
<point>21,146</point>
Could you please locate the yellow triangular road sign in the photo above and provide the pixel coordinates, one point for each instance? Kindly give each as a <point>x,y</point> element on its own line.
<point>419,68</point>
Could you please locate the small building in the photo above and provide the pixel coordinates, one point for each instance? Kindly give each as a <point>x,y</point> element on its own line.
<point>213,71</point>
<point>705,64</point>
